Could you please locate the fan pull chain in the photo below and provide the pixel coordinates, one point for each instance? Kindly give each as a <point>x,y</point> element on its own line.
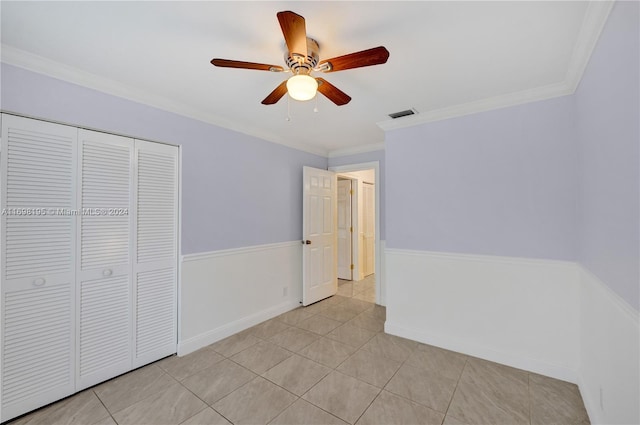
<point>315,108</point>
<point>288,108</point>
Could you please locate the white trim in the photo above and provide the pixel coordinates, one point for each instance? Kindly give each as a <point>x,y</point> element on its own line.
<point>192,344</point>
<point>481,258</point>
<point>550,317</point>
<point>383,273</point>
<point>521,312</point>
<point>593,22</point>
<point>178,257</point>
<point>355,225</point>
<point>356,150</point>
<point>592,25</point>
<point>235,251</point>
<point>380,279</point>
<point>609,353</point>
<point>611,297</point>
<point>484,352</point>
<point>227,291</point>
<point>48,67</point>
<point>590,405</point>
<point>482,105</point>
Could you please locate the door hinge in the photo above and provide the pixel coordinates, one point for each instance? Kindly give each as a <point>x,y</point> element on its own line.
<point>350,191</point>
<point>351,229</point>
<point>352,267</point>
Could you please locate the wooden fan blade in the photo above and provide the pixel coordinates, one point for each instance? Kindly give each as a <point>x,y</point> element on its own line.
<point>294,31</point>
<point>369,57</point>
<point>227,63</point>
<point>276,95</point>
<point>332,93</point>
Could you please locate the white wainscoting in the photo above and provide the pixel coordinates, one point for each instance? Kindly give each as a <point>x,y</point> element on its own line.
<point>550,317</point>
<point>609,362</point>
<point>381,277</point>
<point>224,292</point>
<point>519,312</point>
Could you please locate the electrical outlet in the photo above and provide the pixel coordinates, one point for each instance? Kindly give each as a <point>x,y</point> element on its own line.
<point>285,291</point>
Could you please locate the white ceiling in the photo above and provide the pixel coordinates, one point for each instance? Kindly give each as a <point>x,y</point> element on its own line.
<point>446,58</point>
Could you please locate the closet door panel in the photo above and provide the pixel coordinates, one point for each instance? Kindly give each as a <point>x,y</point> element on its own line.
<point>155,268</point>
<point>155,318</point>
<point>104,329</point>
<point>37,263</point>
<point>105,266</point>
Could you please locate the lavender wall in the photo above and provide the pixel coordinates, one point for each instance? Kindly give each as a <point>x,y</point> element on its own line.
<point>607,120</point>
<point>237,190</point>
<point>500,183</point>
<point>363,158</point>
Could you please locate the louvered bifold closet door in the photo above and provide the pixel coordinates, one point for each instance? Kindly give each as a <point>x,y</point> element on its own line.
<point>104,289</point>
<point>156,251</point>
<point>37,263</point>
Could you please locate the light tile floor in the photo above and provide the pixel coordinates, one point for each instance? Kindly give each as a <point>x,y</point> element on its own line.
<point>329,363</point>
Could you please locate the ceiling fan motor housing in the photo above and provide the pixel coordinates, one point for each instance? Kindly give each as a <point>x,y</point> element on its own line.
<point>303,65</point>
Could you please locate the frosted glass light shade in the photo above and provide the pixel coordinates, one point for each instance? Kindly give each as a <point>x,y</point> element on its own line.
<point>302,87</point>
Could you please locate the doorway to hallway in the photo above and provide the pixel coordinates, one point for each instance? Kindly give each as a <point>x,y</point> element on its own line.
<point>374,251</point>
<point>356,224</point>
<point>364,289</point>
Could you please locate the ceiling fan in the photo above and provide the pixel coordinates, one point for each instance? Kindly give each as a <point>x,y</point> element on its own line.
<point>302,59</point>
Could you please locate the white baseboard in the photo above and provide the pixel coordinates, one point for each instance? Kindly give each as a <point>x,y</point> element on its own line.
<point>227,291</point>
<point>550,317</point>
<point>485,352</point>
<point>515,311</point>
<point>610,354</point>
<point>194,343</point>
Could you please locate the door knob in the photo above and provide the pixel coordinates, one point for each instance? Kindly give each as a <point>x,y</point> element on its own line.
<point>39,281</point>
<point>306,242</point>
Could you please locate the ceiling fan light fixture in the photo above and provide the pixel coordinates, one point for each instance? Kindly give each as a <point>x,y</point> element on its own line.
<point>302,87</point>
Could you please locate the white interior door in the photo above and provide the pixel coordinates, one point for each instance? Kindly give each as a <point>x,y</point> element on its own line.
<point>319,230</point>
<point>369,227</point>
<point>345,227</point>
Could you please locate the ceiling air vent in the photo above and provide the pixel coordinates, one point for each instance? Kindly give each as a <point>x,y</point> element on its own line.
<point>403,113</point>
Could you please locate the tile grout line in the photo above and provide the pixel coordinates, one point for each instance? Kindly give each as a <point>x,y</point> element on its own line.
<point>466,361</point>
<point>389,380</point>
<point>194,394</point>
<point>103,405</point>
<point>267,379</point>
<point>334,369</point>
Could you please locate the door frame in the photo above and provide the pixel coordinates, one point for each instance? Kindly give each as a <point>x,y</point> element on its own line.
<point>354,224</point>
<point>375,165</point>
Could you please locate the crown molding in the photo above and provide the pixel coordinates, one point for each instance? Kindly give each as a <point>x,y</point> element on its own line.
<point>356,150</point>
<point>592,24</point>
<point>50,68</point>
<point>483,105</point>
